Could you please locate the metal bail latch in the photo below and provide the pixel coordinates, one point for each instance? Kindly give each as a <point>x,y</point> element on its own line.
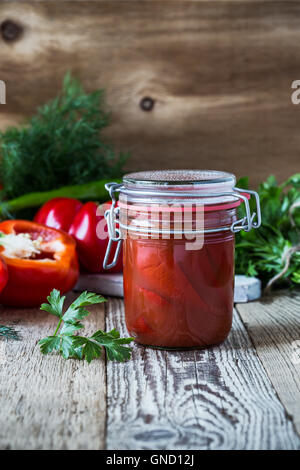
<point>114,233</point>
<point>250,220</point>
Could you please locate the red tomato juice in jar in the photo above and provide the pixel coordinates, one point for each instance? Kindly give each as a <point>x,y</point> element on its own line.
<point>178,230</point>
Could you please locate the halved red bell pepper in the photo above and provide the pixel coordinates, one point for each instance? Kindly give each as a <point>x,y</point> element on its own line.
<point>89,229</point>
<point>38,259</point>
<point>58,213</point>
<point>3,274</point>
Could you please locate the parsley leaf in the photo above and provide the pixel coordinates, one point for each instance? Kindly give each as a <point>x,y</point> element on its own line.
<point>70,328</point>
<point>111,341</point>
<point>49,344</point>
<point>90,349</point>
<point>76,311</point>
<point>113,344</point>
<point>68,345</point>
<point>63,344</point>
<point>55,303</point>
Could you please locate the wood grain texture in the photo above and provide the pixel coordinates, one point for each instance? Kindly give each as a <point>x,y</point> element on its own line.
<point>219,74</point>
<point>274,326</point>
<point>219,398</point>
<point>105,284</point>
<point>47,402</point>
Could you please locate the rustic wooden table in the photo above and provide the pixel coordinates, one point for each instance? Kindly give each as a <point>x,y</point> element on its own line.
<point>244,394</point>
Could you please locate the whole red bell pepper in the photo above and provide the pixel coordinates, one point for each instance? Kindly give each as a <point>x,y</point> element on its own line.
<point>58,213</point>
<point>89,229</point>
<point>38,259</point>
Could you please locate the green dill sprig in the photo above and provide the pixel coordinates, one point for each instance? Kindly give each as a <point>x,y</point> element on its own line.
<point>9,333</point>
<point>61,145</point>
<point>69,345</point>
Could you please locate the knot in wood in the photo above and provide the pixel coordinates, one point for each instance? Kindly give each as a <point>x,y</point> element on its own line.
<point>10,30</point>
<point>147,103</point>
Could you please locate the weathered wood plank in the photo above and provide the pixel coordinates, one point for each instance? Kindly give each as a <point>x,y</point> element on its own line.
<point>211,68</point>
<point>47,402</point>
<point>274,326</point>
<point>219,398</point>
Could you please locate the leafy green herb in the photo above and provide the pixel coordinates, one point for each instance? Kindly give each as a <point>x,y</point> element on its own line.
<point>61,145</point>
<point>69,345</point>
<point>9,333</point>
<point>273,251</point>
<point>111,341</point>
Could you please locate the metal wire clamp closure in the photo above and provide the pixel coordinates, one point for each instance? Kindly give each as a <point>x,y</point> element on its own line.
<point>112,215</point>
<point>114,233</point>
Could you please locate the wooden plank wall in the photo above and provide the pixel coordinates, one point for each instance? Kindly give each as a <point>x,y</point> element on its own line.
<point>217,75</point>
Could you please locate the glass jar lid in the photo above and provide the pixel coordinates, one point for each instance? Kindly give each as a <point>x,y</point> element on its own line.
<point>207,186</point>
<point>179,178</point>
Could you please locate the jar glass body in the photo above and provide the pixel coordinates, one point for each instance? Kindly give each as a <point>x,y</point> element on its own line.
<point>178,297</point>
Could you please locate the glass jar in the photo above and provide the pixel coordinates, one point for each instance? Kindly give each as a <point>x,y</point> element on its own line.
<point>178,229</point>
